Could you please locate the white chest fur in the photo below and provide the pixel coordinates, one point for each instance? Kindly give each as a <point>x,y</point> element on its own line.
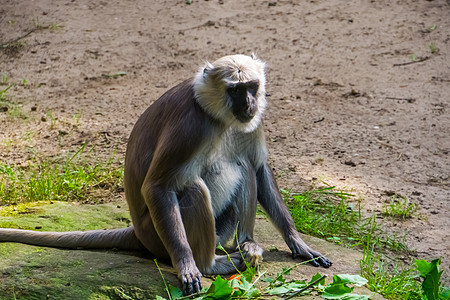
<point>222,179</point>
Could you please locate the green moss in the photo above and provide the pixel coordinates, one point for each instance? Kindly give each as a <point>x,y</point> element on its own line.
<point>22,209</point>
<point>30,272</point>
<point>63,216</point>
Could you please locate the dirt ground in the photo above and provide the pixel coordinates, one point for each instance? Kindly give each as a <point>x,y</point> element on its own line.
<point>358,91</point>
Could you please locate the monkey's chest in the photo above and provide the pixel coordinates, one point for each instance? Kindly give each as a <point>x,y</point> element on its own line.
<point>224,178</point>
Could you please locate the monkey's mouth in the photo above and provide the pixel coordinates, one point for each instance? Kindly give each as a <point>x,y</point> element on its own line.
<point>245,115</point>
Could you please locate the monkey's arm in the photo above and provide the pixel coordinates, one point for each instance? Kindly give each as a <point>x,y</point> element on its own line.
<point>165,213</point>
<point>169,172</point>
<point>272,202</point>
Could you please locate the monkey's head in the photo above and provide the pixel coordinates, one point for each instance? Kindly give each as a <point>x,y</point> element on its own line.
<point>232,91</point>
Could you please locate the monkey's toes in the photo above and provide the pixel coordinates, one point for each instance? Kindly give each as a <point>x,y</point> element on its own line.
<point>191,284</point>
<point>320,261</point>
<point>324,262</point>
<point>252,253</point>
<point>315,258</point>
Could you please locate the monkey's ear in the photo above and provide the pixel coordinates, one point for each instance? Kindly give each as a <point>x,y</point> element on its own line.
<point>207,69</point>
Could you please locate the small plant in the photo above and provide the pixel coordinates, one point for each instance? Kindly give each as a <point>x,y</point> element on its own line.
<point>4,78</point>
<point>399,208</point>
<point>396,282</point>
<point>3,92</point>
<point>14,110</point>
<point>54,26</point>
<point>392,282</point>
<point>52,119</point>
<point>413,57</point>
<point>432,288</point>
<point>252,284</point>
<point>433,48</point>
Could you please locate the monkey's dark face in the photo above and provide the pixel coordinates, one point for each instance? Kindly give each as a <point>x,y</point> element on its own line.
<point>243,100</point>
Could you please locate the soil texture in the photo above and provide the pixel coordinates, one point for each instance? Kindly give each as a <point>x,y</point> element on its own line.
<point>358,91</point>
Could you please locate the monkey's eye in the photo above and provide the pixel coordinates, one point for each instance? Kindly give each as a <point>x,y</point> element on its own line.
<point>236,90</point>
<point>253,87</point>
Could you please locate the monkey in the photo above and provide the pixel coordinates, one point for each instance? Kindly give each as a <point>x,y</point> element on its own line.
<point>196,166</point>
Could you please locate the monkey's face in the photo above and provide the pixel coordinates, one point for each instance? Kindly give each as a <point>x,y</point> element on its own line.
<point>232,90</point>
<point>242,98</point>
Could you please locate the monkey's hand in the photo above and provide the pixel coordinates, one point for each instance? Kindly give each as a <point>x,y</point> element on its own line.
<point>300,249</point>
<point>252,252</point>
<point>190,278</point>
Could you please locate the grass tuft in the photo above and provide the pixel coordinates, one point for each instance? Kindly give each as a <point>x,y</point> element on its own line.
<point>390,280</point>
<point>399,209</point>
<point>73,180</point>
<point>329,214</point>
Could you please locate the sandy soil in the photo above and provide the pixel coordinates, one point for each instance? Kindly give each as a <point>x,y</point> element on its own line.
<point>359,90</point>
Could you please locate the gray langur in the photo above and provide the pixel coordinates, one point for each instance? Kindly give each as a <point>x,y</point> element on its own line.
<point>195,168</point>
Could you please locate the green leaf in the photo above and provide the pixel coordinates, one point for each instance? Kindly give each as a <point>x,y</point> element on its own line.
<point>336,291</point>
<point>219,289</point>
<point>287,287</point>
<point>249,273</point>
<point>423,267</point>
<point>175,292</point>
<point>350,279</point>
<point>320,284</point>
<point>279,279</point>
<point>431,275</point>
<point>445,293</point>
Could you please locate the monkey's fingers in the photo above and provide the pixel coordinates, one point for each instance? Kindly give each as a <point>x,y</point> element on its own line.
<point>253,253</point>
<point>323,261</point>
<point>315,258</point>
<point>191,284</point>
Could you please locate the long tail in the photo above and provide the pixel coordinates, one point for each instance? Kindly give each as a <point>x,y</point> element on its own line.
<point>123,238</point>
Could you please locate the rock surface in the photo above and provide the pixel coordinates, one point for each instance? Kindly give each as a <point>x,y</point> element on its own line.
<point>30,272</point>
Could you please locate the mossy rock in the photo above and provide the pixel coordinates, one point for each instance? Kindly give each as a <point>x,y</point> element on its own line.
<point>30,272</point>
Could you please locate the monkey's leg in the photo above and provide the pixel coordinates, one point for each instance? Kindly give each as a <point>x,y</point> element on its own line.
<point>272,202</point>
<point>246,201</point>
<point>184,225</point>
<point>161,231</point>
<point>199,223</point>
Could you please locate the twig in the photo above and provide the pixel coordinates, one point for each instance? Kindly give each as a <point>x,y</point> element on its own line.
<point>199,294</point>
<point>385,144</point>
<point>305,288</point>
<point>25,35</point>
<point>413,62</point>
<point>19,38</point>
<point>164,280</point>
<point>409,100</point>
<point>207,24</point>
<point>434,78</point>
<point>319,120</point>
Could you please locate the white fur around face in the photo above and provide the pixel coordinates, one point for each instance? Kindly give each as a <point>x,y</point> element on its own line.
<point>211,80</point>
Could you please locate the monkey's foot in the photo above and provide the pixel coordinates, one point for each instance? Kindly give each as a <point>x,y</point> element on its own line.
<point>190,280</point>
<point>300,249</point>
<point>253,253</point>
